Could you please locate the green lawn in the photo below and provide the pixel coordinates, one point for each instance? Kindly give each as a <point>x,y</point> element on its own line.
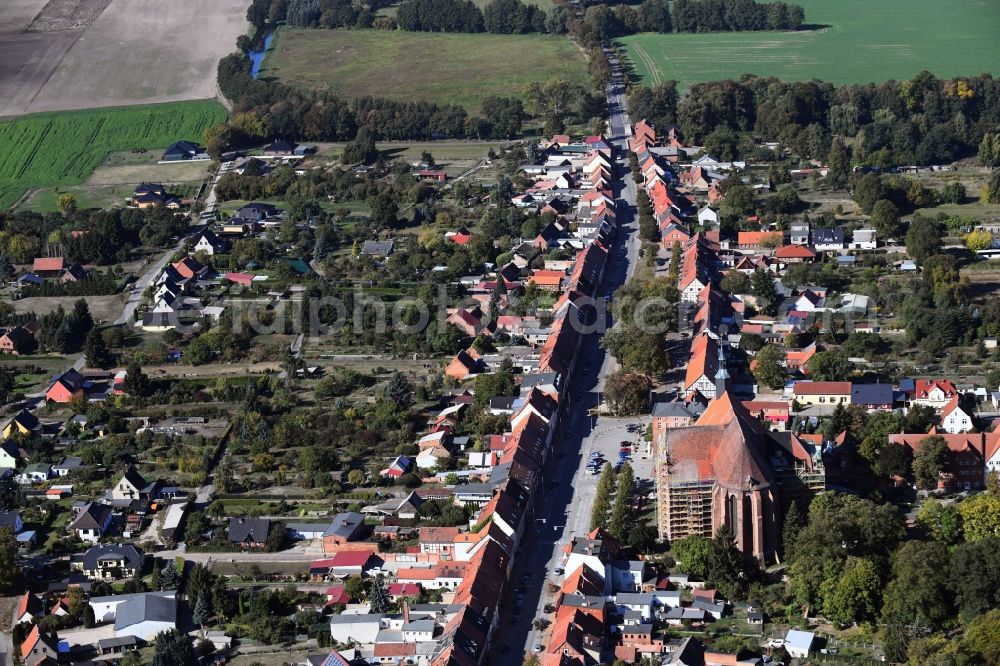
<point>443,68</point>
<point>857,41</point>
<point>45,200</point>
<point>64,148</point>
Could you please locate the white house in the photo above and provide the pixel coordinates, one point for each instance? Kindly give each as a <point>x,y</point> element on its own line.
<point>864,239</point>
<point>954,419</point>
<point>209,243</point>
<point>356,628</point>
<point>640,602</point>
<point>143,614</point>
<point>627,575</point>
<point>707,216</point>
<point>799,233</point>
<point>828,240</point>
<point>92,522</point>
<point>799,643</point>
<point>668,598</point>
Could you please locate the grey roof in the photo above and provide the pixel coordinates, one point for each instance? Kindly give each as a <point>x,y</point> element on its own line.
<point>345,524</point>
<point>69,463</point>
<point>356,619</point>
<point>705,605</point>
<point>676,409</point>
<point>377,248</point>
<point>641,629</point>
<point>9,518</point>
<point>871,394</point>
<point>146,607</point>
<point>133,556</point>
<point>92,517</point>
<point>419,625</point>
<point>244,529</point>
<point>634,598</point>
<point>121,641</point>
<point>824,236</point>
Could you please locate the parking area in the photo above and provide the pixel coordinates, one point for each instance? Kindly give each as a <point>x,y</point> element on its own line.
<point>614,435</point>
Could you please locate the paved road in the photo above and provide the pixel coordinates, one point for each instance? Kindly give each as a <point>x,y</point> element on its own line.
<point>564,509</point>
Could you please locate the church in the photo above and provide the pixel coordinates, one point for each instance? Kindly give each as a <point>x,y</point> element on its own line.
<point>728,469</point>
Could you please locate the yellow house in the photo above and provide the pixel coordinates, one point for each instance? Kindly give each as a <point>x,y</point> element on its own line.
<point>24,423</point>
<point>822,393</point>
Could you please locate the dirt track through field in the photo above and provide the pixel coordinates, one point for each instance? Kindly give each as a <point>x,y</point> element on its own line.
<point>132,52</point>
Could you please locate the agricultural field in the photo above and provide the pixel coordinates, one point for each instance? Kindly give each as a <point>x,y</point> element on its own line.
<point>454,157</point>
<point>51,149</point>
<point>93,53</point>
<point>443,68</point>
<point>850,41</point>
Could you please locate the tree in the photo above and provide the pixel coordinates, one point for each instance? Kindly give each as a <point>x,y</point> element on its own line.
<point>918,592</point>
<point>980,517</point>
<point>378,599</point>
<point>627,393</point>
<point>136,383</point>
<point>399,391</point>
<point>725,570</point>
<point>975,577</point>
<point>96,351</point>
<point>172,648</point>
<point>929,461</point>
<point>989,150</point>
<point>794,522</point>
<point>637,350</point>
<point>622,506</point>
<point>602,498</point>
<point>923,239</point>
<point>885,219</point>
<point>89,621</point>
<point>736,282</point>
<point>66,204</point>
<point>978,239</point>
<point>942,522</point>
<point>768,369</point>
<point>693,555</point>
<point>170,576</point>
<point>983,637</point>
<point>202,614</point>
<point>764,292</point>
<point>857,595</point>
<point>356,478</point>
<point>829,366</point>
<point>10,573</point>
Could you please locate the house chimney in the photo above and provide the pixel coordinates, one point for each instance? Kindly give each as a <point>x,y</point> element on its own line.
<point>406,612</point>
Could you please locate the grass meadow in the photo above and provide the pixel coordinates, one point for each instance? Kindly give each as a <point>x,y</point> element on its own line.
<point>64,148</point>
<point>853,41</point>
<point>435,67</point>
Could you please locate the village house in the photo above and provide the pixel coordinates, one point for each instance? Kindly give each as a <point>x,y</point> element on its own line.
<point>248,532</point>
<point>17,340</point>
<point>92,522</point>
<point>109,562</point>
<point>822,393</point>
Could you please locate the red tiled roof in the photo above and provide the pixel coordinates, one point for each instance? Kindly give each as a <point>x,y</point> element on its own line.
<point>822,388</point>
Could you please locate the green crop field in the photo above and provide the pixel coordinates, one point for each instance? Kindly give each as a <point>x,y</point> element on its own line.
<point>443,68</point>
<point>855,41</point>
<point>64,148</point>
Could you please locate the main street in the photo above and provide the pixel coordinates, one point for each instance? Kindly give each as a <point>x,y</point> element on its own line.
<point>564,509</point>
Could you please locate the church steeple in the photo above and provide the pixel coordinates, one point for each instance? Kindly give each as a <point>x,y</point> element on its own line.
<point>721,375</point>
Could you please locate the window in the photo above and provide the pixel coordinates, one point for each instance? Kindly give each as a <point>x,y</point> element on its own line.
<point>822,399</point>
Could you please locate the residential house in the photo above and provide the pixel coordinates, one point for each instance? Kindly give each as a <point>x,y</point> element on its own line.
<point>794,254</point>
<point>92,522</point>
<point>11,519</point>
<point>279,148</point>
<point>11,455</point>
<point>864,239</point>
<point>708,217</point>
<point>352,563</point>
<point>355,629</point>
<point>756,240</point>
<point>35,473</point>
<point>17,340</point>
<point>65,387</point>
<point>110,562</point>
<point>183,150</point>
<point>872,397</point>
<point>248,532</point>
<point>30,608</point>
<point>209,243</point>
<point>345,526</point>
<point>48,267</point>
<point>132,486</point>
<point>799,233</point>
<point>39,649</point>
<point>828,240</point>
<point>822,393</point>
<point>799,644</point>
<point>143,614</point>
<point>970,456</point>
<point>673,414</point>
<point>23,423</point>
<point>934,393</point>
<point>954,419</point>
<point>372,248</point>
